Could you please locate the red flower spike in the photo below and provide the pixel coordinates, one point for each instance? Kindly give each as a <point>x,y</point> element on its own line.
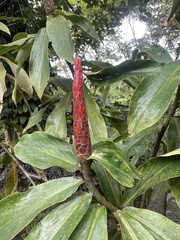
<point>49,6</point>
<point>80,119</point>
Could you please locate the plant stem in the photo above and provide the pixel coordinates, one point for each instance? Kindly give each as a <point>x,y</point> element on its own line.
<point>18,164</point>
<point>166,123</point>
<point>86,171</point>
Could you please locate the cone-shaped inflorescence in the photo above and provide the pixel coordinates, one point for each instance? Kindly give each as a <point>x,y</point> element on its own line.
<point>80,119</point>
<point>49,6</point>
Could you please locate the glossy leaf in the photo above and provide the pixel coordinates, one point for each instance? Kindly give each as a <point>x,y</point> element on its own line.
<point>61,222</point>
<point>83,24</point>
<point>140,224</point>
<point>38,63</point>
<point>93,225</point>
<point>4,28</point>
<point>18,209</point>
<point>12,180</point>
<point>123,71</point>
<point>43,151</point>
<point>152,98</point>
<point>115,162</point>
<point>35,118</point>
<point>175,189</point>
<point>56,122</point>
<point>59,34</point>
<point>2,84</point>
<point>111,188</point>
<point>155,52</point>
<point>155,171</point>
<point>22,79</point>
<point>137,145</point>
<point>96,122</point>
<point>173,134</point>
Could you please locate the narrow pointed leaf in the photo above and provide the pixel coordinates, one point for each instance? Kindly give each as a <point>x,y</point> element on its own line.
<point>56,122</point>
<point>4,28</point>
<point>59,34</point>
<point>22,79</point>
<point>114,161</point>
<point>24,53</point>
<point>12,180</point>
<point>111,188</point>
<point>18,209</point>
<point>175,189</point>
<point>63,83</point>
<point>35,118</point>
<point>152,98</point>
<point>13,45</point>
<point>95,118</point>
<point>38,64</point>
<point>137,145</point>
<point>61,222</point>
<point>154,171</point>
<point>2,84</point>
<point>93,225</point>
<point>155,52</point>
<point>83,24</point>
<point>173,134</point>
<point>45,151</point>
<point>140,224</point>
<point>123,71</point>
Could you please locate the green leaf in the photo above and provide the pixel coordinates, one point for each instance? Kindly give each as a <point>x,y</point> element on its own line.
<point>4,28</point>
<point>175,189</point>
<point>35,118</point>
<point>61,222</point>
<point>22,79</point>
<point>137,145</point>
<point>140,224</point>
<point>154,171</point>
<point>83,24</point>
<point>123,71</point>
<point>56,122</point>
<point>38,63</point>
<point>18,209</point>
<point>43,151</point>
<point>64,83</point>
<point>12,180</point>
<point>23,53</point>
<point>114,161</point>
<point>13,45</point>
<point>2,84</point>
<point>111,188</point>
<point>173,134</point>
<point>59,34</point>
<point>152,98</point>
<point>155,52</point>
<point>93,225</point>
<point>96,122</point>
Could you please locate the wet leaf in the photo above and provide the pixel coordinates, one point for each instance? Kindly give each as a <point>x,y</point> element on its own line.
<point>61,222</point>
<point>18,209</point>
<point>115,162</point>
<point>140,224</point>
<point>155,171</point>
<point>93,225</point>
<point>152,98</point>
<point>45,150</point>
